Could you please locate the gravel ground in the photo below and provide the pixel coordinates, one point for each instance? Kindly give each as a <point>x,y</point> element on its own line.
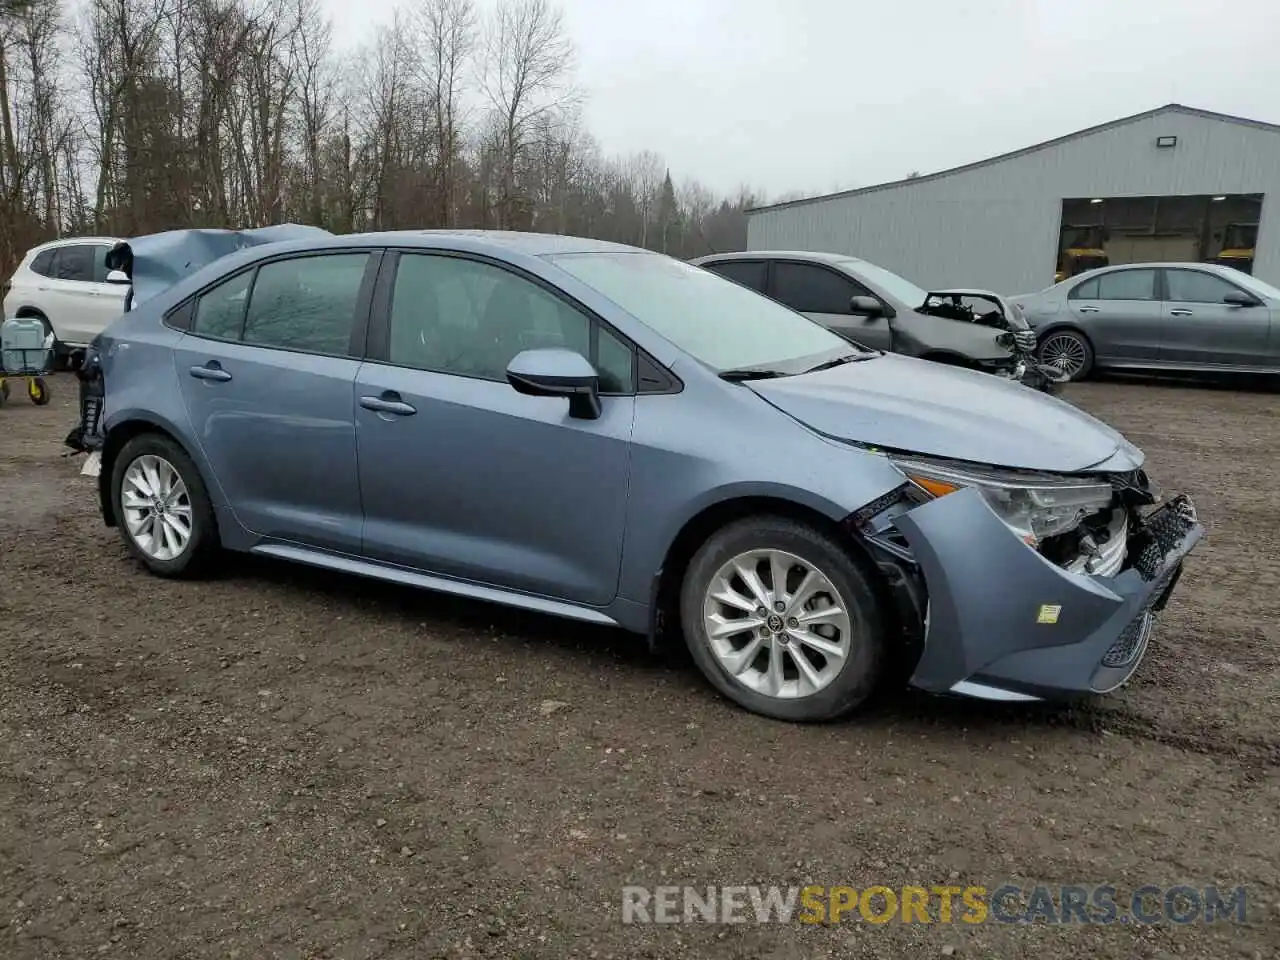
<point>285,763</point>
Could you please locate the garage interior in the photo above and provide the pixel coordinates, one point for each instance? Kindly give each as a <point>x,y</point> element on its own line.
<point>1098,231</point>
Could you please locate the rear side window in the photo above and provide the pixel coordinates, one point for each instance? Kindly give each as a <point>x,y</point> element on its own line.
<point>1120,285</point>
<point>74,263</point>
<point>42,264</point>
<point>749,273</point>
<point>306,304</point>
<point>812,289</point>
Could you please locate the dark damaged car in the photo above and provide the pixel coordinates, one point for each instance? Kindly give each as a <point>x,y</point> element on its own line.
<point>606,434</point>
<point>870,305</point>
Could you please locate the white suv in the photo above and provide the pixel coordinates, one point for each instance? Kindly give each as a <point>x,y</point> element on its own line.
<point>64,283</point>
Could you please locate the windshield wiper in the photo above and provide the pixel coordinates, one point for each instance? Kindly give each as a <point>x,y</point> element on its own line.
<point>748,373</point>
<point>847,358</point>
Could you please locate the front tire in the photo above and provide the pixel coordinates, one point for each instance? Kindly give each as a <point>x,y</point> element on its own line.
<point>162,508</point>
<point>782,620</point>
<point>1068,350</point>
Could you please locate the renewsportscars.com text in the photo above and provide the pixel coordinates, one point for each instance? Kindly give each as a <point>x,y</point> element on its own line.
<point>814,904</point>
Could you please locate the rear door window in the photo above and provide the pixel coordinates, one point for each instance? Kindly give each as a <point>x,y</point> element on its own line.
<point>306,303</point>
<point>220,311</point>
<point>749,273</point>
<point>1120,285</point>
<point>74,263</point>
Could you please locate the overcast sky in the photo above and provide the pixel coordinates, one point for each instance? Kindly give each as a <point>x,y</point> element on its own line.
<point>820,95</point>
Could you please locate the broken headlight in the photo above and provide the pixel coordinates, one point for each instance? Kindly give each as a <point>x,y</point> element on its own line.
<point>1034,506</point>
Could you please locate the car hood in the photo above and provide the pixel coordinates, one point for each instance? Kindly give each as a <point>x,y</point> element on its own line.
<point>901,403</point>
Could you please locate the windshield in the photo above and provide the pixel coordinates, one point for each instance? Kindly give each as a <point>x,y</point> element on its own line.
<point>904,291</point>
<point>1260,287</point>
<point>723,324</point>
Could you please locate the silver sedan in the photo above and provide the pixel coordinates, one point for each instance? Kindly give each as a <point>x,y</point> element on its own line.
<point>1194,317</point>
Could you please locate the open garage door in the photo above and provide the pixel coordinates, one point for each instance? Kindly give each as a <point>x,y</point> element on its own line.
<point>1152,249</point>
<point>1097,231</point>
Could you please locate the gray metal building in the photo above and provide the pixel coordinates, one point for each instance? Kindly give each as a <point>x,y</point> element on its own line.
<point>1172,183</point>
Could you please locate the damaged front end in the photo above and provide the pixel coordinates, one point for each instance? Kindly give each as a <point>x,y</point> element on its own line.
<point>987,309</point>
<point>1036,586</point>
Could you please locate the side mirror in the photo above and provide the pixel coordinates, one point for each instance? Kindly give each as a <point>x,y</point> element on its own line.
<point>1238,298</point>
<point>118,276</point>
<point>553,372</point>
<point>868,307</point>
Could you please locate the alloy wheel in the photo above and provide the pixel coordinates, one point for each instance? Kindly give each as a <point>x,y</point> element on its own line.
<point>156,507</point>
<point>777,624</point>
<point>1066,352</point>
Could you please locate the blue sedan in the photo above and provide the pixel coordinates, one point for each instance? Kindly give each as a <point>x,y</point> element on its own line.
<point>607,434</point>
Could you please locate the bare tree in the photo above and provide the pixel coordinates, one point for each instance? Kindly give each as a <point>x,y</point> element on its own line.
<point>644,171</point>
<point>526,74</point>
<point>240,112</point>
<point>446,31</point>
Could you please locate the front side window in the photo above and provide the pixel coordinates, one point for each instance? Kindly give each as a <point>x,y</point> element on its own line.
<point>469,318</point>
<point>812,289</point>
<point>893,285</point>
<point>74,263</point>
<point>718,322</point>
<point>749,273</point>
<point>100,270</point>
<point>307,303</point>
<point>1193,286</point>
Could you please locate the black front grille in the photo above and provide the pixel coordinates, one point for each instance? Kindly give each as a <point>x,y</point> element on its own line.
<point>1026,340</point>
<point>1129,645</point>
<point>1161,533</point>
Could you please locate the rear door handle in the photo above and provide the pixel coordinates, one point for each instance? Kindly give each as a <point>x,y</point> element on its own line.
<point>1089,310</point>
<point>389,402</point>
<point>1181,313</point>
<point>211,371</point>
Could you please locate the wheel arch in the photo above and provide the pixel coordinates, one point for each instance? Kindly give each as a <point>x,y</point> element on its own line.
<point>120,434</point>
<point>885,574</point>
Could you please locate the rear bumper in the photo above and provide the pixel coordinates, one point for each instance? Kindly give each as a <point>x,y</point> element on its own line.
<point>1005,623</point>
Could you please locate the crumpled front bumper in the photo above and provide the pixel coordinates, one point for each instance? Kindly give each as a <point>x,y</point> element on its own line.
<point>1006,623</point>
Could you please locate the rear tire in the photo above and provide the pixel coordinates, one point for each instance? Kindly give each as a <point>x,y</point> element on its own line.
<point>156,495</point>
<point>818,657</point>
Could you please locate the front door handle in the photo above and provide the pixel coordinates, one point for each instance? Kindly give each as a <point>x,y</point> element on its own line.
<point>389,402</point>
<point>211,371</point>
<point>1181,313</point>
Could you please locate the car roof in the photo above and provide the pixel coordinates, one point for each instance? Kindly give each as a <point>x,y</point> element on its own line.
<point>816,256</point>
<point>70,241</point>
<point>1160,265</point>
<point>534,244</point>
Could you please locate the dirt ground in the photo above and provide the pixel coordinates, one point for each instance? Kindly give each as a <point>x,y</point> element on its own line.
<point>285,763</point>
